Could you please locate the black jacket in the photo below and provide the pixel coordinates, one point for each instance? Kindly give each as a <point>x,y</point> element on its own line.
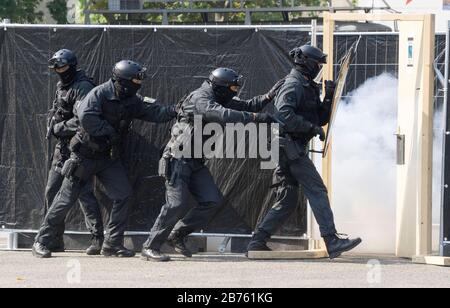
<point>299,107</point>
<point>203,102</point>
<point>65,99</point>
<point>65,126</point>
<point>103,117</point>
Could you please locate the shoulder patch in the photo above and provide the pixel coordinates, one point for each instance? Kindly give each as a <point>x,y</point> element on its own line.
<point>291,98</point>
<point>149,100</point>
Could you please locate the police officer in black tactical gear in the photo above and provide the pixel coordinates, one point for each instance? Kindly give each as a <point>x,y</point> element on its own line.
<point>104,116</point>
<point>303,114</point>
<point>216,102</point>
<point>73,86</point>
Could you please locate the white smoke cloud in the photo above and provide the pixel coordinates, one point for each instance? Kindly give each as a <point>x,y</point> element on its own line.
<point>364,166</point>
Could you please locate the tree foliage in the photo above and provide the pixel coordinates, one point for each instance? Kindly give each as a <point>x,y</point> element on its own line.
<point>197,18</point>
<point>21,11</point>
<point>58,10</point>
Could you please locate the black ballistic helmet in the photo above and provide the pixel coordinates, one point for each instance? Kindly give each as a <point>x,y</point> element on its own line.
<point>124,74</point>
<point>308,57</point>
<point>225,77</point>
<point>308,52</point>
<point>222,79</point>
<point>62,58</point>
<point>128,70</point>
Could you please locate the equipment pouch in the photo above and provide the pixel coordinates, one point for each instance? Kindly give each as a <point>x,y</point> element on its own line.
<point>75,144</point>
<point>164,167</point>
<point>290,148</point>
<point>70,166</point>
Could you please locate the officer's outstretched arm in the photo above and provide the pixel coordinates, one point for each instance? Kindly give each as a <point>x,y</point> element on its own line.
<point>215,112</point>
<point>66,128</point>
<point>255,104</point>
<point>89,112</point>
<point>150,111</point>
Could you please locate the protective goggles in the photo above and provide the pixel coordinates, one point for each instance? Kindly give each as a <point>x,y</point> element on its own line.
<point>321,61</point>
<point>238,81</point>
<point>236,84</point>
<point>142,74</point>
<point>57,63</point>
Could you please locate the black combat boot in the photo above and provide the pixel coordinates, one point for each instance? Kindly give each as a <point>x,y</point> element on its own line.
<point>178,241</point>
<point>57,245</point>
<point>96,246</point>
<point>259,242</point>
<point>154,255</point>
<point>41,251</point>
<point>117,251</point>
<point>339,243</point>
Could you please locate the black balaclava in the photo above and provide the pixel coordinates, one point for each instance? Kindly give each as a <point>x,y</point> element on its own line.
<point>68,76</point>
<point>309,68</point>
<point>223,94</point>
<point>126,88</point>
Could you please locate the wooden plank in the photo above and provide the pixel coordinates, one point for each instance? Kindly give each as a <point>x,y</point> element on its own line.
<point>410,94</point>
<point>426,109</point>
<point>432,260</point>
<point>4,242</point>
<point>287,255</point>
<point>7,241</point>
<point>328,47</point>
<point>376,17</point>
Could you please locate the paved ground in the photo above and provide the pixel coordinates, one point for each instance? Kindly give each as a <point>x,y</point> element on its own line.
<point>20,269</point>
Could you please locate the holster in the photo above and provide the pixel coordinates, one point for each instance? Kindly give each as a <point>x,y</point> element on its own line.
<point>291,148</point>
<point>115,152</point>
<point>70,167</point>
<point>74,144</point>
<point>163,168</point>
<point>75,169</point>
<point>184,137</point>
<point>164,165</point>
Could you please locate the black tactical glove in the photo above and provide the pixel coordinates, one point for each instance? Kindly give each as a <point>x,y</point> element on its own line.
<point>114,142</point>
<point>330,88</point>
<point>318,131</point>
<point>273,92</point>
<point>124,126</point>
<point>57,127</point>
<point>264,118</point>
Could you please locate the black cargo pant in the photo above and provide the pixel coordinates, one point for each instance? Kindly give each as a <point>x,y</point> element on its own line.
<point>187,176</point>
<point>112,175</point>
<point>288,176</point>
<point>87,201</point>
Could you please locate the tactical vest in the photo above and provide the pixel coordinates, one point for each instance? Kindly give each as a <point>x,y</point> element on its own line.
<point>64,103</point>
<point>309,107</point>
<point>118,115</point>
<point>183,128</point>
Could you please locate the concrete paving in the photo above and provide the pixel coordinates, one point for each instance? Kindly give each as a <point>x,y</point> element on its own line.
<point>74,269</point>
